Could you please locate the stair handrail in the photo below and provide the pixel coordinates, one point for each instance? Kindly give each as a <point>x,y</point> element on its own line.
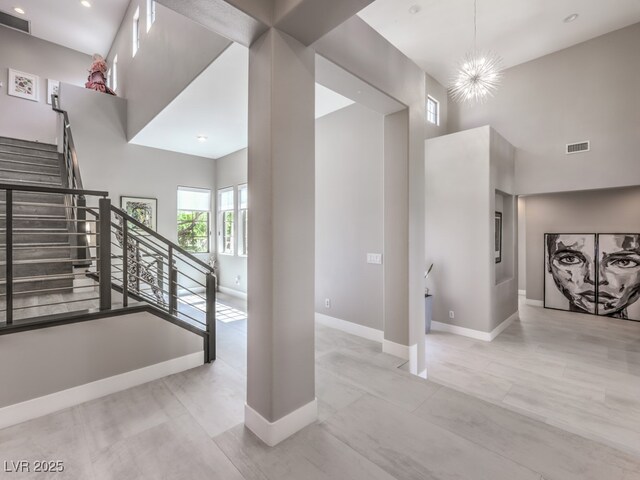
<point>163,239</point>
<point>72,180</point>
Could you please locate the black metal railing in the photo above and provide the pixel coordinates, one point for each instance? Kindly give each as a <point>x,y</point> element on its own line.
<point>72,179</point>
<point>41,278</point>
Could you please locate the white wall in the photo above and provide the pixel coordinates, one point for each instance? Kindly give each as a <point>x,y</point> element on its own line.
<point>174,52</point>
<point>25,119</point>
<point>463,172</point>
<point>108,162</point>
<point>585,92</point>
<point>349,215</point>
<point>231,171</point>
<point>59,358</point>
<point>436,90</point>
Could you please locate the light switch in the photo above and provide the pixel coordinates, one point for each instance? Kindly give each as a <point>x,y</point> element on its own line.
<point>374,258</point>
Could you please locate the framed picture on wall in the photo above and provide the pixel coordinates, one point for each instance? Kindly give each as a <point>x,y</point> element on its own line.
<point>498,237</point>
<point>53,87</point>
<point>23,85</point>
<point>144,210</point>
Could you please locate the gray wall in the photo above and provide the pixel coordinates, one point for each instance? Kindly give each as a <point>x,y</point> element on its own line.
<point>467,175</point>
<point>25,119</point>
<point>522,244</point>
<point>174,52</point>
<point>108,162</point>
<point>596,211</point>
<point>585,92</point>
<point>231,171</point>
<point>349,215</point>
<point>73,355</point>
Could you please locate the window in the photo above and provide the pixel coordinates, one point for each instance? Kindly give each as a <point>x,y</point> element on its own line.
<point>151,13</point>
<point>136,31</point>
<point>114,77</point>
<point>226,221</point>
<point>194,208</point>
<point>433,111</point>
<point>243,219</point>
<point>109,79</point>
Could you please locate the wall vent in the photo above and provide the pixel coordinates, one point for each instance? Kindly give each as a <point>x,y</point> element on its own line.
<point>578,147</point>
<point>14,22</point>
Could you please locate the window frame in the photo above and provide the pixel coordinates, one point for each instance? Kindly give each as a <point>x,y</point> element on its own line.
<point>114,76</point>
<point>151,13</point>
<point>221,222</point>
<point>242,222</point>
<point>436,113</point>
<point>135,34</point>
<point>208,212</point>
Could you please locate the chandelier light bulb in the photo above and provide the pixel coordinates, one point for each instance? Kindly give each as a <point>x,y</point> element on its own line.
<point>477,78</point>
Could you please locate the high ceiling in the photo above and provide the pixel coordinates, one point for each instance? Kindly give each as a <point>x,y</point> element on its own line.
<point>68,23</point>
<point>438,34</point>
<point>216,105</point>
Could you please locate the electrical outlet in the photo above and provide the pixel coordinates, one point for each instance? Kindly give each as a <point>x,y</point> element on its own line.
<point>237,279</point>
<point>452,314</point>
<point>327,302</point>
<point>374,258</point>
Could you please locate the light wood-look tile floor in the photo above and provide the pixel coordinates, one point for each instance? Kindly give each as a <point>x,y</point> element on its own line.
<point>578,372</point>
<point>376,422</point>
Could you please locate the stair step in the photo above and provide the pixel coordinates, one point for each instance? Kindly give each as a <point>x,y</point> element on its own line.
<point>30,285</point>
<point>14,149</point>
<point>53,161</point>
<point>31,208</point>
<point>28,144</point>
<point>32,236</point>
<point>22,176</point>
<point>38,251</point>
<point>38,269</point>
<point>28,166</point>
<point>35,222</point>
<point>35,199</point>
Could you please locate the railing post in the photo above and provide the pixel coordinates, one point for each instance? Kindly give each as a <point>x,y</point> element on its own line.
<point>81,227</point>
<point>104,253</point>
<point>9,254</point>
<point>138,260</point>
<point>125,262</point>
<point>160,269</point>
<point>173,284</point>
<point>210,339</point>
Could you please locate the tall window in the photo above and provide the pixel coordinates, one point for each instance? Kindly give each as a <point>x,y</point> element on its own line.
<point>194,208</point>
<point>243,219</point>
<point>151,13</point>
<point>114,74</point>
<point>226,221</point>
<point>433,111</point>
<point>109,79</point>
<point>136,31</point>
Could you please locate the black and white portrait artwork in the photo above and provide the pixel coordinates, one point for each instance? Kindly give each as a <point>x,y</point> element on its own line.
<point>497,255</point>
<point>597,274</point>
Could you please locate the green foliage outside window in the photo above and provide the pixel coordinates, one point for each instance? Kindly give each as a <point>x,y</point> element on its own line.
<point>193,231</point>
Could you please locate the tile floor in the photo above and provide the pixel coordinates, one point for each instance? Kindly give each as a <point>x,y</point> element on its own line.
<point>376,422</point>
<point>578,372</point>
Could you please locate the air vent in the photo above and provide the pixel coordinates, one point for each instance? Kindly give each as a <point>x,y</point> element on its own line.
<point>14,22</point>
<point>577,147</point>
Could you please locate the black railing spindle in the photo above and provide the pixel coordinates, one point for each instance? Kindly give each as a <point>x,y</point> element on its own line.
<point>104,253</point>
<point>125,263</point>
<point>9,255</point>
<point>210,340</point>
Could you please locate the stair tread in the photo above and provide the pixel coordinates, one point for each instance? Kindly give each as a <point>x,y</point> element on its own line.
<point>28,143</point>
<point>35,164</point>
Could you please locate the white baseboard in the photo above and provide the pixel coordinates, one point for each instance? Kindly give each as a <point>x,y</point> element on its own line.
<point>397,350</point>
<point>232,292</point>
<point>350,327</point>
<point>534,303</point>
<point>37,407</point>
<point>272,433</point>
<point>522,292</point>
<point>477,334</point>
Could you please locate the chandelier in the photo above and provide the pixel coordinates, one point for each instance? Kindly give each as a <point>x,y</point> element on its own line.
<point>478,74</point>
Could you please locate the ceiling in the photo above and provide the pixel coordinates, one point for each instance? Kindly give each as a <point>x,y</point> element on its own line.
<point>216,105</point>
<point>440,33</point>
<point>68,23</point>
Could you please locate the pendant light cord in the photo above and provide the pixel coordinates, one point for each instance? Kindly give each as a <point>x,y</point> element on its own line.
<point>475,25</point>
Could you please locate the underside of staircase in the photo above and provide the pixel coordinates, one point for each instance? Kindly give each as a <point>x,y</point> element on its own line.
<point>41,244</point>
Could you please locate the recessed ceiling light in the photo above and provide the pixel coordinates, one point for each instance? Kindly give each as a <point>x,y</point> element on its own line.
<point>414,9</point>
<point>85,3</point>
<point>18,10</point>
<point>570,18</point>
<point>202,138</point>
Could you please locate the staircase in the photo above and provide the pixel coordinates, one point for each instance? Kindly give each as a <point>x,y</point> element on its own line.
<point>67,255</point>
<point>42,259</point>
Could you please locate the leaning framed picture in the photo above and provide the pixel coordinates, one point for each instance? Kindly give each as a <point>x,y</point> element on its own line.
<point>144,210</point>
<point>498,238</point>
<point>23,85</point>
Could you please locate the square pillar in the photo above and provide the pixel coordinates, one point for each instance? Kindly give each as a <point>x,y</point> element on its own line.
<point>280,360</point>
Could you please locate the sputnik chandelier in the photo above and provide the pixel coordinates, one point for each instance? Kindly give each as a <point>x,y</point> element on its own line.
<point>478,74</point>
